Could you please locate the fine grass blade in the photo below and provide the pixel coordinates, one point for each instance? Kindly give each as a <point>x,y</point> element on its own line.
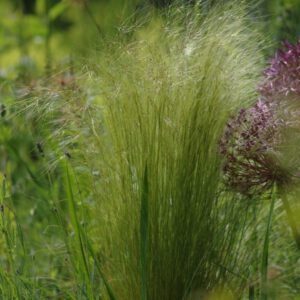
<point>291,219</point>
<point>79,240</point>
<point>144,234</point>
<point>105,282</point>
<point>265,254</point>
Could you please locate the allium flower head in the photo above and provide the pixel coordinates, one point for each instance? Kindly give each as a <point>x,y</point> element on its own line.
<point>282,78</point>
<point>261,144</point>
<point>249,146</point>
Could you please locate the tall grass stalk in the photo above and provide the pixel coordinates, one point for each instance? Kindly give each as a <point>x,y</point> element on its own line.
<point>144,235</point>
<point>12,276</point>
<point>265,254</point>
<point>290,218</point>
<point>81,250</point>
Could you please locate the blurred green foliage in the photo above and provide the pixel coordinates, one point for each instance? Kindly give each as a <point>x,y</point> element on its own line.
<point>283,19</point>
<point>47,30</point>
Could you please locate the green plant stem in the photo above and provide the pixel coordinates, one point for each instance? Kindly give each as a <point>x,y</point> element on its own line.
<point>144,235</point>
<point>48,54</point>
<point>92,17</point>
<point>291,219</point>
<point>82,257</point>
<point>265,255</point>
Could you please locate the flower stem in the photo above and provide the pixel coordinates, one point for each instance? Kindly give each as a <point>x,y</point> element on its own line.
<point>291,219</point>
<point>265,254</point>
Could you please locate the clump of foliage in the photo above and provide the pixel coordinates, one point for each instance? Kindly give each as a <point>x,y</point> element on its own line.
<point>282,19</point>
<point>150,175</point>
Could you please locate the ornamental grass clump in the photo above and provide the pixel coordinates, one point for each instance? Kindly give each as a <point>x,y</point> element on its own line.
<point>166,228</point>
<point>161,224</point>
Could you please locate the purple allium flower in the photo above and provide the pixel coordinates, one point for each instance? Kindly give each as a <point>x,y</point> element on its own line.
<point>261,144</point>
<point>282,78</point>
<point>250,147</point>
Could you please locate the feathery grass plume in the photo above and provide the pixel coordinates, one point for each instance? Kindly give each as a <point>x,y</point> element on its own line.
<point>165,98</point>
<point>146,151</point>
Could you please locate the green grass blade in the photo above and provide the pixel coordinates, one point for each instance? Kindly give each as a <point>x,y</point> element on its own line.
<point>144,234</point>
<point>105,282</point>
<point>75,223</point>
<point>291,219</point>
<point>265,255</point>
